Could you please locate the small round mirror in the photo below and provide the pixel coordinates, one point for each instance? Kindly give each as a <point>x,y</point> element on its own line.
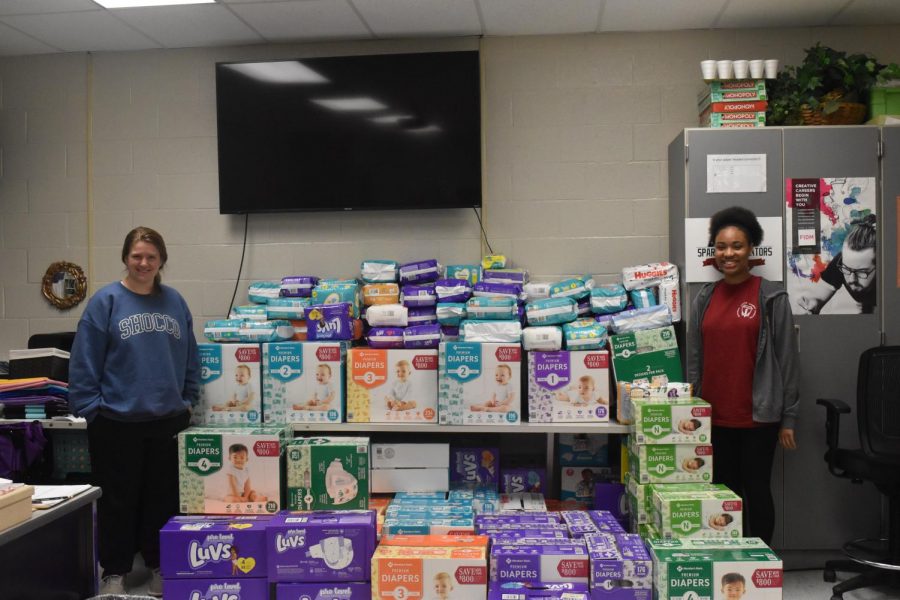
<point>64,285</point>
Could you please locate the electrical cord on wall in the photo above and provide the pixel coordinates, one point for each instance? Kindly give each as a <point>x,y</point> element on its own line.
<point>483,232</point>
<point>240,267</point>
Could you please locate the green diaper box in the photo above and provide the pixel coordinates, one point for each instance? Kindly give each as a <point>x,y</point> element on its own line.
<point>672,421</point>
<point>646,354</point>
<point>230,470</point>
<point>640,501</point>
<point>696,569</point>
<point>670,463</point>
<point>707,511</point>
<point>328,473</point>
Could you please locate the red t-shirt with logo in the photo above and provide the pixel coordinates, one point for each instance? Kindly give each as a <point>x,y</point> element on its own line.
<point>730,331</point>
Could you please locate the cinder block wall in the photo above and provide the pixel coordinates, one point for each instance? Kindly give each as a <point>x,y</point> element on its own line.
<point>575,136</point>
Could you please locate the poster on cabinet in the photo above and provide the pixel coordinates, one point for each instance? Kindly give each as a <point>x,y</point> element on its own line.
<point>830,245</point>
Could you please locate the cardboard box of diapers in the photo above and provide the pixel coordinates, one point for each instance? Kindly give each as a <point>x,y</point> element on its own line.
<point>230,470</point>
<point>303,382</point>
<point>230,385</point>
<point>391,386</point>
<point>479,383</point>
<point>568,387</point>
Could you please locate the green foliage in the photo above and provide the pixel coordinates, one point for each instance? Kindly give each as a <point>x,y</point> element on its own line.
<point>824,79</point>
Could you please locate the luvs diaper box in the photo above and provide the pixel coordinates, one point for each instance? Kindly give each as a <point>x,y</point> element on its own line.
<point>479,383</point>
<point>328,473</point>
<point>390,386</point>
<point>214,547</point>
<point>230,470</point>
<point>303,382</point>
<point>356,590</point>
<point>568,386</point>
<point>435,572</point>
<point>215,589</point>
<point>230,384</point>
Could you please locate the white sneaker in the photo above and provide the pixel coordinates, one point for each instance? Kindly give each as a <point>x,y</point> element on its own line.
<point>112,584</point>
<point>155,588</point>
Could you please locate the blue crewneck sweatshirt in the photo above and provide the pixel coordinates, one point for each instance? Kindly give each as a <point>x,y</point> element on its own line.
<point>134,357</point>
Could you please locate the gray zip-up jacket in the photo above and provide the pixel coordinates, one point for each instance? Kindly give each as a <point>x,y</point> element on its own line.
<point>776,395</point>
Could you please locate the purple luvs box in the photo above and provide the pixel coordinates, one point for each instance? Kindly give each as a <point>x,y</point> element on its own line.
<point>610,496</point>
<point>516,518</point>
<point>523,479</point>
<point>318,591</point>
<point>539,563</point>
<point>519,590</point>
<point>621,567</point>
<point>479,466</point>
<point>315,546</point>
<point>214,547</point>
<point>216,589</point>
<point>605,521</point>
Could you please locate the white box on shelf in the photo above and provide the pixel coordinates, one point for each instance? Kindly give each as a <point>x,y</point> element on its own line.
<point>410,456</point>
<point>385,481</point>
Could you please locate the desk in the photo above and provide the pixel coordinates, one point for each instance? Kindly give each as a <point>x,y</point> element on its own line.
<point>53,555</point>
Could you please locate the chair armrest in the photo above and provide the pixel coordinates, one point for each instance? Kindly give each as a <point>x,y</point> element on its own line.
<point>834,409</point>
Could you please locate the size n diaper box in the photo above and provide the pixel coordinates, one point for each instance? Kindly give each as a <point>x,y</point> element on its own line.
<point>327,473</point>
<point>672,421</point>
<point>712,511</point>
<point>214,546</point>
<point>742,568</point>
<point>583,449</point>
<point>479,383</point>
<point>392,386</point>
<point>230,384</point>
<point>303,382</point>
<point>476,466</point>
<point>460,573</point>
<point>355,590</point>
<point>568,386</point>
<point>215,589</point>
<point>316,546</point>
<point>646,354</point>
<point>670,463</point>
<point>230,470</point>
<point>545,563</point>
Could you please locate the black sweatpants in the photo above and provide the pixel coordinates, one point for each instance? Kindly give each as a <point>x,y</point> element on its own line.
<point>742,460</point>
<point>136,465</point>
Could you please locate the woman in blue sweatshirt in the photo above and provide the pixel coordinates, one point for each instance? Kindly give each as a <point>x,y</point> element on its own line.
<point>134,375</point>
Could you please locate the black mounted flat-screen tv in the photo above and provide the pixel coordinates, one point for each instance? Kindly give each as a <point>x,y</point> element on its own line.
<point>388,131</point>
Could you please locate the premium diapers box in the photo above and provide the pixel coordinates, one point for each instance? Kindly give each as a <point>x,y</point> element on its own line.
<point>460,573</point>
<point>672,421</point>
<point>303,382</point>
<point>230,384</point>
<point>230,470</point>
<point>568,386</point>
<point>479,383</point>
<point>670,463</point>
<point>391,386</point>
<point>544,563</point>
<point>709,511</point>
<point>646,354</point>
<point>203,546</point>
<point>327,473</point>
<point>742,568</point>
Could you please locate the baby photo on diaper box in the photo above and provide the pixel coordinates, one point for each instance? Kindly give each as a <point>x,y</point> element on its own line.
<point>328,473</point>
<point>390,386</point>
<point>480,383</point>
<point>303,382</point>
<point>577,483</point>
<point>230,470</point>
<point>568,387</point>
<point>230,386</point>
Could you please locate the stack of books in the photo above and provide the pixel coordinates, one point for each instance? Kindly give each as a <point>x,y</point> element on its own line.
<point>733,103</point>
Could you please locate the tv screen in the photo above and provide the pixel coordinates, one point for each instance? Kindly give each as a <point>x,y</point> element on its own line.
<point>393,131</point>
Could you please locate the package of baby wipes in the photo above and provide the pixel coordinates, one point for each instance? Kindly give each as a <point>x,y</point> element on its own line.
<point>568,387</point>
<point>226,587</point>
<point>385,337</point>
<point>379,271</point>
<point>320,546</point>
<point>479,383</point>
<point>418,295</point>
<point>351,590</point>
<point>387,315</point>
<point>471,273</point>
<point>223,330</point>
<point>536,291</point>
<point>286,308</point>
<point>391,386</point>
<point>303,382</point>
<point>421,271</point>
<point>489,331</point>
<point>575,288</point>
<point>491,308</point>
<point>205,546</point>
<point>516,276</point>
<point>551,311</point>
<point>438,572</point>
<point>649,275</point>
<point>230,388</point>
<point>380,293</point>
<point>672,420</point>
<point>547,339</point>
<point>230,470</point>
<point>298,286</point>
<point>260,291</point>
<point>422,336</point>
<point>670,463</point>
<point>450,313</point>
<point>715,512</point>
<point>329,321</point>
<point>266,331</point>
<point>493,261</point>
<point>609,298</point>
<point>584,334</point>
<point>422,315</point>
<point>327,473</point>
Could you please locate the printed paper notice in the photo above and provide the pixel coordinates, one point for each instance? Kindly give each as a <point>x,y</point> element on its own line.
<point>735,173</point>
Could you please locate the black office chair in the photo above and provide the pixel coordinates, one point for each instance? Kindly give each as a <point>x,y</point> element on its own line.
<point>877,460</point>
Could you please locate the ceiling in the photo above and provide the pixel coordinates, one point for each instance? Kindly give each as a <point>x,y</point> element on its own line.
<point>47,26</point>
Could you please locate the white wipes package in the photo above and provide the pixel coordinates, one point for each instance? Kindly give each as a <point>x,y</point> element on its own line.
<point>508,332</point>
<point>547,338</point>
<point>479,384</point>
<point>536,291</point>
<point>303,382</point>
<point>387,315</point>
<point>230,385</point>
<point>568,386</point>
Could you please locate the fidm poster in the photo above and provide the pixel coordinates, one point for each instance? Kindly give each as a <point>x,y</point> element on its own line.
<point>830,245</point>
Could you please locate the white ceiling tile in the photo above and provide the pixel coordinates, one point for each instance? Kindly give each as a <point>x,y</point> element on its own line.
<point>13,43</point>
<point>535,17</point>
<point>647,15</point>
<point>420,17</point>
<point>82,31</point>
<point>31,7</point>
<point>869,12</point>
<point>182,26</point>
<point>303,20</point>
<point>741,14</point>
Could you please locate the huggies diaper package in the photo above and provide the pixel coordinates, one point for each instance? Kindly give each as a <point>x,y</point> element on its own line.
<point>387,315</point>
<point>670,463</point>
<point>329,321</point>
<point>670,295</point>
<point>646,354</point>
<point>328,473</point>
<point>471,273</point>
<point>323,546</point>
<point>380,293</point>
<point>650,275</point>
<point>378,271</point>
<point>742,568</point>
<point>298,286</point>
<point>565,562</point>
<point>213,547</point>
<point>460,573</point>
<point>356,590</point>
<point>547,339</point>
<point>286,308</point>
<point>214,589</point>
<point>621,566</point>
<point>303,382</point>
<point>716,512</point>
<point>672,421</point>
<point>390,386</point>
<point>480,384</point>
<point>420,271</point>
<point>260,291</point>
<point>478,466</point>
<point>230,470</point>
<point>568,386</point>
<point>230,384</point>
